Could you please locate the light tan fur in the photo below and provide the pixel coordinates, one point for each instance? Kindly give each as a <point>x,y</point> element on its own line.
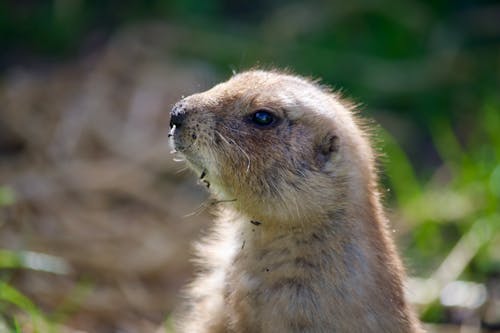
<point>301,241</point>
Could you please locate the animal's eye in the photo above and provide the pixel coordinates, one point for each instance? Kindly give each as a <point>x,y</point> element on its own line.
<point>263,118</point>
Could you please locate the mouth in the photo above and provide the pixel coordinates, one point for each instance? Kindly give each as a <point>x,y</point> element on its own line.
<point>175,141</point>
<point>186,153</point>
<point>177,149</point>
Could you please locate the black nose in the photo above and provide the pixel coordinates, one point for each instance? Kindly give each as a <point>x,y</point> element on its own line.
<point>177,116</point>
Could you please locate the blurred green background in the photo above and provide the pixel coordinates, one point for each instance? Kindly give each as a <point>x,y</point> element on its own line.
<point>427,72</point>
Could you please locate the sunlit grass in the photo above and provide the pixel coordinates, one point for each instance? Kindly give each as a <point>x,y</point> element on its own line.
<point>11,300</point>
<point>18,313</point>
<point>453,224</point>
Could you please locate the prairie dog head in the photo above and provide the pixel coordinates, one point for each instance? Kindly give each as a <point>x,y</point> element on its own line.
<point>280,146</point>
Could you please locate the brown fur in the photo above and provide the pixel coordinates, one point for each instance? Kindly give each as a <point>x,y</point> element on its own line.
<point>301,243</point>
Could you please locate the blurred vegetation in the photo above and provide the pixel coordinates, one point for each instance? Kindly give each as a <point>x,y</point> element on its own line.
<point>9,296</point>
<point>18,313</point>
<point>428,72</point>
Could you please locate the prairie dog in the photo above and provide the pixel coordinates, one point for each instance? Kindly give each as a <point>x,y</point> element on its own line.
<point>300,243</point>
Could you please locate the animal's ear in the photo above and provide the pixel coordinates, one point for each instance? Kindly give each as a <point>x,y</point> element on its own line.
<point>327,146</point>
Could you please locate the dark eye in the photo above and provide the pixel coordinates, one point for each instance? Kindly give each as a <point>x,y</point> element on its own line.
<point>263,118</point>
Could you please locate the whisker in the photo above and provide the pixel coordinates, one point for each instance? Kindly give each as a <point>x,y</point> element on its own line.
<point>198,210</point>
<point>207,204</point>
<point>237,146</point>
<point>182,170</point>
<point>235,130</point>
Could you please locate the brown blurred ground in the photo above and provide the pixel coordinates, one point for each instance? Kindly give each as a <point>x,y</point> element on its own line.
<point>84,147</point>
